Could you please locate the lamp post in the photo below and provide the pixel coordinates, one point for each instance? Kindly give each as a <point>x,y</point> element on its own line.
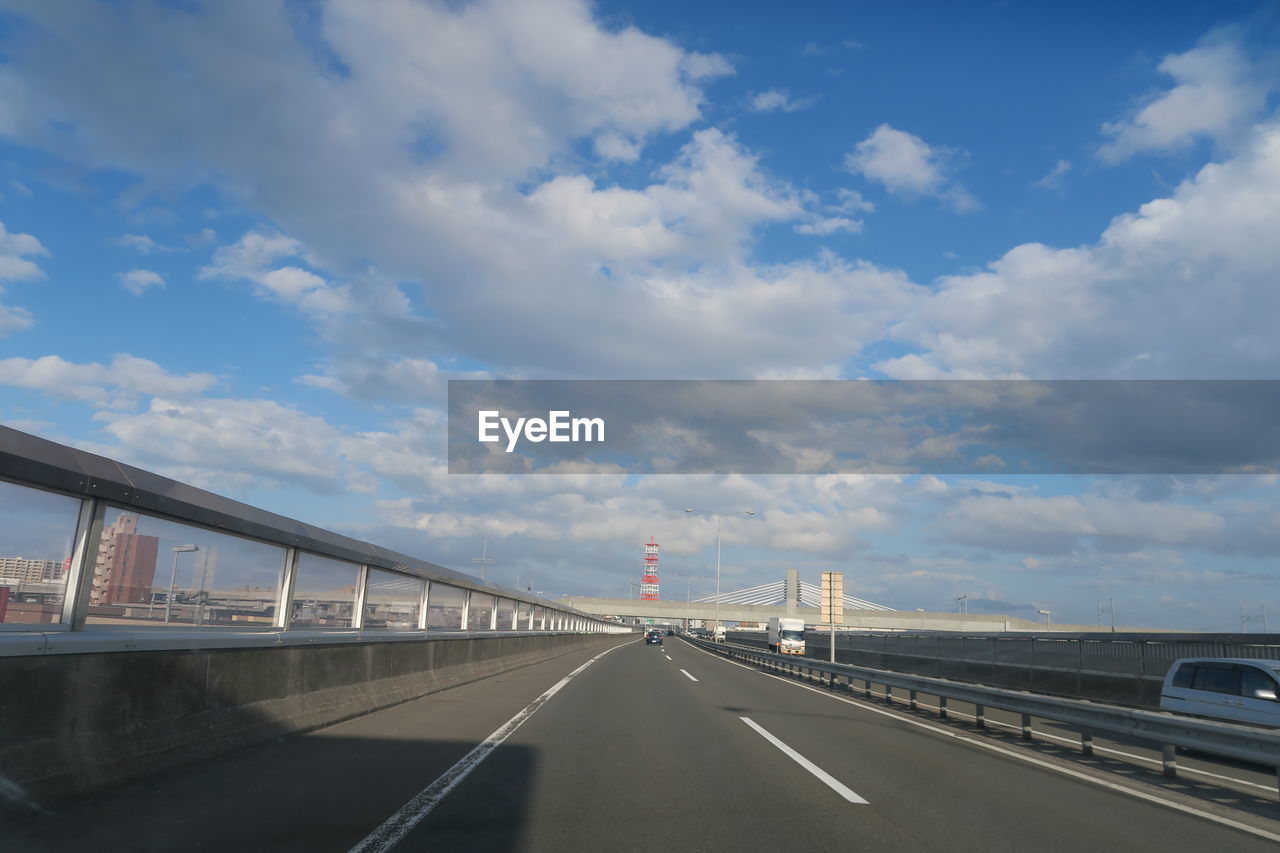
<point>483,560</point>
<point>920,610</point>
<point>173,577</point>
<point>719,517</point>
<point>1048,619</point>
<point>688,588</point>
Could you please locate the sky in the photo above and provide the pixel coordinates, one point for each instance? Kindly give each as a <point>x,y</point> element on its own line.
<point>245,244</point>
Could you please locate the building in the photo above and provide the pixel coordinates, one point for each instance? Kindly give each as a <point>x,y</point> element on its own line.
<point>125,570</point>
<point>30,570</point>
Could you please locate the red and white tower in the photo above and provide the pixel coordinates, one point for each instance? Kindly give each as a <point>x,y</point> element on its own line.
<point>649,582</point>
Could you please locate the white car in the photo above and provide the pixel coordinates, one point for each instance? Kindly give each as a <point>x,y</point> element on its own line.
<point>1237,689</point>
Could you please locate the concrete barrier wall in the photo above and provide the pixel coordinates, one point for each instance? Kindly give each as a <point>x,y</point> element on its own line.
<point>75,723</point>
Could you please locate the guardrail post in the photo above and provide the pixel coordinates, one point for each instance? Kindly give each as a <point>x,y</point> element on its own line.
<point>942,707</point>
<point>1026,727</point>
<point>915,706</point>
<point>1169,758</point>
<point>980,716</point>
<point>1086,742</point>
<point>888,694</point>
<point>867,688</point>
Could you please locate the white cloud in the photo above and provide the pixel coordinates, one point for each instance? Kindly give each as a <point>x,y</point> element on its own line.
<point>15,253</point>
<point>815,49</point>
<point>262,441</point>
<point>406,380</point>
<point>614,146</point>
<point>117,385</point>
<point>1053,178</point>
<point>143,244</point>
<point>252,257</point>
<point>450,159</point>
<point>1028,524</point>
<point>774,100</point>
<point>705,66</point>
<point>848,204</point>
<point>1217,91</point>
<point>13,319</point>
<point>830,225</point>
<point>19,244</point>
<point>1183,288</point>
<point>545,73</point>
<point>906,164</point>
<point>251,254</point>
<point>851,201</point>
<point>137,281</point>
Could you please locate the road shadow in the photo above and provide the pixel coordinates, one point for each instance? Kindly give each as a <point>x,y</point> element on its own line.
<point>293,795</point>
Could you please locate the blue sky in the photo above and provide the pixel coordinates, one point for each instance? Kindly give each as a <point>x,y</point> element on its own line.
<point>246,243</point>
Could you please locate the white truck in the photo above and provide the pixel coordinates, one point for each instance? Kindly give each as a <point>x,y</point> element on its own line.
<point>786,636</point>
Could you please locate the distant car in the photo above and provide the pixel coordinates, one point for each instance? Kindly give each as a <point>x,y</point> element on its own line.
<point>670,633</point>
<point>652,638</point>
<point>1241,690</point>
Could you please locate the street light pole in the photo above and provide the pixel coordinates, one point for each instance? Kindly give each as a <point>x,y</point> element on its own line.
<point>688,587</point>
<point>1048,619</point>
<point>483,560</point>
<point>173,577</point>
<point>719,516</point>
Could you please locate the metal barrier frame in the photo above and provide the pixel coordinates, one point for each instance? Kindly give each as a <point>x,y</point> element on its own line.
<point>98,483</point>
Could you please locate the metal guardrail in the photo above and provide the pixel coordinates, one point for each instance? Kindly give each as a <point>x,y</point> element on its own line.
<point>1166,730</point>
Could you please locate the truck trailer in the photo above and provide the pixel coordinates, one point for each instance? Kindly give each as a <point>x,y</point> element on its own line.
<point>786,636</point>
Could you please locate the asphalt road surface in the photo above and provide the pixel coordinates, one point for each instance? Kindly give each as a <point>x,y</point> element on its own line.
<point>646,748</point>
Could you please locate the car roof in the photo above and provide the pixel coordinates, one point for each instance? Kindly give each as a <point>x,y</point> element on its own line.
<point>1268,663</point>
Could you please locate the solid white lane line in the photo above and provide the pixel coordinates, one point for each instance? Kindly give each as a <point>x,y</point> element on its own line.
<point>686,672</point>
<point>830,781</point>
<point>1084,777</point>
<point>411,813</point>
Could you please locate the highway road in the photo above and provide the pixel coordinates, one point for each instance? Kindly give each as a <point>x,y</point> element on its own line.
<point>644,748</point>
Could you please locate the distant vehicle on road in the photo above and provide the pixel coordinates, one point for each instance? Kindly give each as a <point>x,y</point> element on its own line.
<point>652,638</point>
<point>1241,690</point>
<point>718,634</point>
<point>786,636</point>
